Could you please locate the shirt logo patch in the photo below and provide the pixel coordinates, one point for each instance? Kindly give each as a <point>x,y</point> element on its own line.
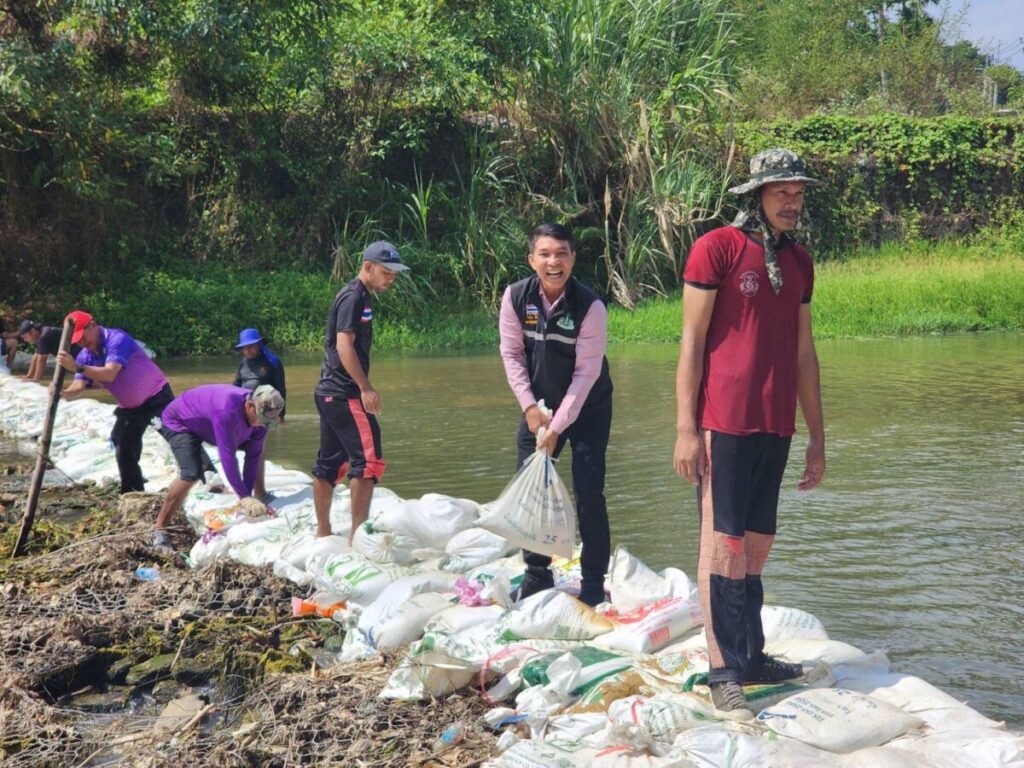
<point>565,323</point>
<point>748,284</point>
<point>367,316</point>
<point>532,314</point>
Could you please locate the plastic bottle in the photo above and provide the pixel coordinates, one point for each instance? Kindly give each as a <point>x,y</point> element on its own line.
<point>452,735</point>
<point>147,573</point>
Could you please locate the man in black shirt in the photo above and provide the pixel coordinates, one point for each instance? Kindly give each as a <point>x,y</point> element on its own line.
<point>347,402</point>
<point>46,339</point>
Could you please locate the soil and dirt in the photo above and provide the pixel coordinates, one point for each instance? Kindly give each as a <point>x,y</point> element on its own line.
<point>202,667</point>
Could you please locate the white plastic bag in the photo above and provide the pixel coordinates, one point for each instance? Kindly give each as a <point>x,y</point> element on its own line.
<point>535,511</point>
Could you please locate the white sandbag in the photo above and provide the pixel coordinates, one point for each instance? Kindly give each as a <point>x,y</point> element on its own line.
<point>569,674</point>
<point>300,549</point>
<point>298,576</point>
<point>556,753</point>
<point>436,665</point>
<point>632,584</point>
<point>811,652</point>
<point>304,546</point>
<point>968,747</point>
<point>535,511</point>
<point>358,579</point>
<point>382,546</point>
<point>472,548</point>
<point>837,720</point>
<point>384,617</point>
<point>678,664</point>
<point>920,698</point>
<point>575,727</point>
<point>208,549</point>
<point>404,622</point>
<point>652,626</point>
<point>235,511</point>
<point>654,722</point>
<point>782,623</point>
<point>431,520</point>
<point>889,757</point>
<point>730,746</point>
<point>551,615</point>
<point>257,543</point>
<point>870,664</point>
<point>457,619</point>
<point>624,757</point>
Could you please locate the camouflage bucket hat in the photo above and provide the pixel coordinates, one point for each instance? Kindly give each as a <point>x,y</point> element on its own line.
<point>775,165</point>
<point>269,404</point>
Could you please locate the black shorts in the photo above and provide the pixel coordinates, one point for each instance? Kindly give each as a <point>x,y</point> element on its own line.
<point>190,454</point>
<point>746,474</point>
<point>349,440</point>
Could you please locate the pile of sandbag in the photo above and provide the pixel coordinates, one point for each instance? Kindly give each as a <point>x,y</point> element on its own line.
<point>623,685</point>
<point>80,444</point>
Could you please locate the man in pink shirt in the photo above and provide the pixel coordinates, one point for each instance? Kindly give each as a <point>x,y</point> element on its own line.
<point>554,331</point>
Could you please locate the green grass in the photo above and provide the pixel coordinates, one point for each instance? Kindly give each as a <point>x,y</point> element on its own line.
<point>894,291</point>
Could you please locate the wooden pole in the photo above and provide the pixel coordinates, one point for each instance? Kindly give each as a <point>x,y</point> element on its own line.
<point>44,445</point>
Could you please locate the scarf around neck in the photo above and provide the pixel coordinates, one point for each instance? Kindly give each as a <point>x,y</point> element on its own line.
<point>751,218</point>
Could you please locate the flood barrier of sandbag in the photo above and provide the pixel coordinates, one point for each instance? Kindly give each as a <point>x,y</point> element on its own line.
<point>624,685</point>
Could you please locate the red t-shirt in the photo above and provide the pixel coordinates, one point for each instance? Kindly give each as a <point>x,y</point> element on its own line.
<point>750,355</point>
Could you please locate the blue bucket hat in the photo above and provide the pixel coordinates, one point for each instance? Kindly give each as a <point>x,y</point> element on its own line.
<point>247,337</point>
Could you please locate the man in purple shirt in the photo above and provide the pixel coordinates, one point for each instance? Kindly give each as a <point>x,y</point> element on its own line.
<point>554,331</point>
<point>230,417</point>
<point>114,360</point>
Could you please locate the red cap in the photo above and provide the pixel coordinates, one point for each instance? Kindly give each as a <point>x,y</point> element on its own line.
<point>82,319</point>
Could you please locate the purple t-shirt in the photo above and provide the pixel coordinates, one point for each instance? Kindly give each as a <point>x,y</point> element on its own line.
<point>139,378</point>
<point>216,413</point>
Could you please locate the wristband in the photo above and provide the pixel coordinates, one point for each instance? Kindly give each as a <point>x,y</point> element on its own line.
<point>80,370</point>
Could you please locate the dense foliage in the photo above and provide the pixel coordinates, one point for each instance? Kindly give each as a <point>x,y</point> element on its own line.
<point>893,178</point>
<point>165,159</point>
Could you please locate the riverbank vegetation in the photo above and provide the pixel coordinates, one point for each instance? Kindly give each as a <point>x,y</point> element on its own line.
<point>187,167</point>
<point>893,290</point>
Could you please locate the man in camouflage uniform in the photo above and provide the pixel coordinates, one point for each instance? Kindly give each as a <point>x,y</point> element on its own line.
<point>746,359</point>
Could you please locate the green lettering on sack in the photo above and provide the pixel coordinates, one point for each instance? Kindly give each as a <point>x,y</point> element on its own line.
<point>361,574</point>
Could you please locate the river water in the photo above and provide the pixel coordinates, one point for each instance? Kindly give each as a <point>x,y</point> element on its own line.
<point>913,544</point>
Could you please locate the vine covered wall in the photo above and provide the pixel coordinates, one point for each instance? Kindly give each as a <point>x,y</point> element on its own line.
<point>898,178</point>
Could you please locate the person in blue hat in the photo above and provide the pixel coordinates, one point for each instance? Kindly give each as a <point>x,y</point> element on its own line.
<point>259,366</point>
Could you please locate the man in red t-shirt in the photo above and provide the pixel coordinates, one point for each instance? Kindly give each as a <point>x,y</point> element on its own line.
<point>746,359</point>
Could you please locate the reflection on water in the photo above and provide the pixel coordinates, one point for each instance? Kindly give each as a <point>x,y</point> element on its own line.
<point>913,544</point>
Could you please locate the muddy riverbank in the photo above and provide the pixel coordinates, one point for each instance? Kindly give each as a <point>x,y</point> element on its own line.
<point>99,666</point>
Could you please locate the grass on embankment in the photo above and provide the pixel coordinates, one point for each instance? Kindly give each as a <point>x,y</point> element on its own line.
<point>897,290</point>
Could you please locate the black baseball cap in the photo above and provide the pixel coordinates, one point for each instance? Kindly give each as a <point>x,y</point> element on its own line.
<point>383,252</point>
<point>26,326</point>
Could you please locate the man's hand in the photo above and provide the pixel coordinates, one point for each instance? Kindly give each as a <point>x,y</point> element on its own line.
<point>689,459</point>
<point>548,441</point>
<point>536,418</point>
<point>66,361</point>
<point>371,400</point>
<point>814,468</point>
